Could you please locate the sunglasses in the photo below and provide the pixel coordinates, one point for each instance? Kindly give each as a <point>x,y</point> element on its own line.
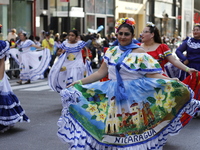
<point>124,33</point>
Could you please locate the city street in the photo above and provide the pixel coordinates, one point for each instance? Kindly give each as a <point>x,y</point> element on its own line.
<point>43,107</point>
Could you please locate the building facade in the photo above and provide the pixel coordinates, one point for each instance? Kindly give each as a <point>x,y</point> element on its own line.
<point>172,17</point>
<point>16,14</point>
<point>3,18</point>
<point>63,15</point>
<point>196,11</point>
<point>133,9</point>
<point>99,12</point>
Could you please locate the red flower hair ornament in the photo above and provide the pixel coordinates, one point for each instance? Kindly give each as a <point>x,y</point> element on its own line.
<point>129,21</point>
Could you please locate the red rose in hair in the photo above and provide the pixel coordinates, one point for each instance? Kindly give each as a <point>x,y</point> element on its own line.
<point>130,22</point>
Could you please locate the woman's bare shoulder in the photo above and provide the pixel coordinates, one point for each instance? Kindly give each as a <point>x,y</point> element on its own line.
<point>138,50</point>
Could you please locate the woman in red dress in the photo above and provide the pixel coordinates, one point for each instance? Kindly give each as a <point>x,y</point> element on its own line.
<point>152,44</point>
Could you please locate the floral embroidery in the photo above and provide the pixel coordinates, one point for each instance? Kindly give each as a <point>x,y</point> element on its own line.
<point>91,92</point>
<point>71,57</point>
<point>170,103</point>
<point>193,44</point>
<point>101,116</point>
<point>159,98</point>
<point>103,106</point>
<point>63,68</point>
<point>169,88</point>
<point>92,109</point>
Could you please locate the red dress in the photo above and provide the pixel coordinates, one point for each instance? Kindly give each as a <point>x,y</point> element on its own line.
<point>160,54</point>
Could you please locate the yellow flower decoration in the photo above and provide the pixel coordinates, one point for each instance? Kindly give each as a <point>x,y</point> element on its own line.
<point>159,98</point>
<point>140,59</point>
<point>170,104</point>
<point>92,109</point>
<point>197,25</point>
<point>111,51</point>
<point>63,68</point>
<point>101,116</point>
<point>126,20</point>
<point>151,61</point>
<point>71,57</point>
<point>103,106</point>
<point>91,91</point>
<point>129,59</point>
<point>168,88</point>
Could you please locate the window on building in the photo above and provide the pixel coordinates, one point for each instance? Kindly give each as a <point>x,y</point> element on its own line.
<point>100,6</point>
<point>22,19</point>
<point>90,21</point>
<point>110,25</point>
<point>89,6</point>
<point>110,7</point>
<point>134,1</point>
<point>45,4</point>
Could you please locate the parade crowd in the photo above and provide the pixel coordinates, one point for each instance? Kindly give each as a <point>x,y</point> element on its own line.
<point>140,94</point>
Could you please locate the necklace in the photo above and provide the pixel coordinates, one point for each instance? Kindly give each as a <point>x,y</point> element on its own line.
<point>149,47</point>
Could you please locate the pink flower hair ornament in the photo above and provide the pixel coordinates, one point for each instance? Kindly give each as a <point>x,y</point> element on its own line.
<point>129,21</point>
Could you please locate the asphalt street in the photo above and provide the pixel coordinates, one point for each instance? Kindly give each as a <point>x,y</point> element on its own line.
<point>43,107</point>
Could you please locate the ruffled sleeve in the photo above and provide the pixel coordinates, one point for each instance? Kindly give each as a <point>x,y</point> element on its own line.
<point>111,52</point>
<point>165,50</point>
<point>81,44</point>
<point>142,63</point>
<point>28,43</point>
<point>4,48</point>
<point>72,48</point>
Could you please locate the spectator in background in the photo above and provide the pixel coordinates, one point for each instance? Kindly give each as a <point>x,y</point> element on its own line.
<point>42,35</point>
<point>140,38</point>
<point>12,35</point>
<point>63,37</point>
<point>48,42</point>
<point>37,41</point>
<point>32,38</point>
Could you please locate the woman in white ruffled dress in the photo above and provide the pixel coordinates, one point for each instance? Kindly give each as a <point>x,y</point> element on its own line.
<point>135,110</point>
<point>11,111</point>
<point>69,66</point>
<point>32,63</point>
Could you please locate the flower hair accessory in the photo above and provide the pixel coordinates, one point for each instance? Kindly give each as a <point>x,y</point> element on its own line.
<point>197,25</point>
<point>150,24</point>
<point>126,20</point>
